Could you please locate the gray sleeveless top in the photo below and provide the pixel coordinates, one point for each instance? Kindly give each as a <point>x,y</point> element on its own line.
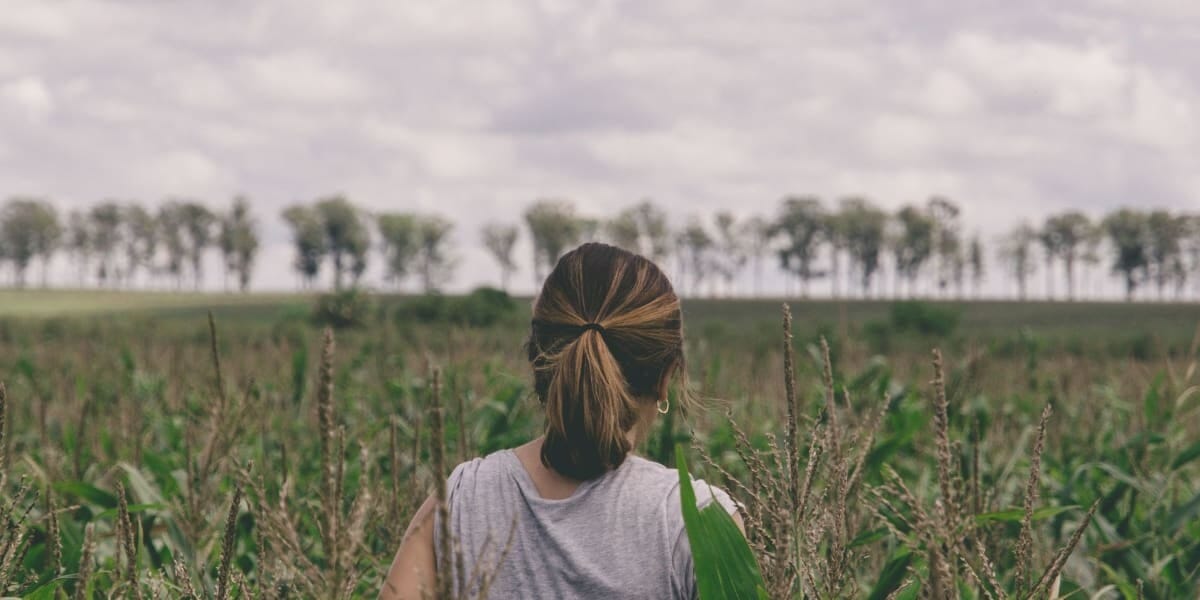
<point>620,535</point>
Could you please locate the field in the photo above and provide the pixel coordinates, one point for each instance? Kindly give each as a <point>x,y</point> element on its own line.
<point>147,454</point>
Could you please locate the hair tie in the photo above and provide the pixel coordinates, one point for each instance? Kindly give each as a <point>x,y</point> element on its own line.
<point>593,325</point>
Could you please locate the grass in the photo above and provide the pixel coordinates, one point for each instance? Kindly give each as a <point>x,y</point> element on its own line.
<point>1167,320</point>
<point>148,452</point>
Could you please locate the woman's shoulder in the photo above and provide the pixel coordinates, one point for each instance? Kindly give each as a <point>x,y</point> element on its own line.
<point>665,480</point>
<point>481,469</point>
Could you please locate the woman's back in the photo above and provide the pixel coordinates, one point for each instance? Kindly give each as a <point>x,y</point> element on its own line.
<point>620,535</point>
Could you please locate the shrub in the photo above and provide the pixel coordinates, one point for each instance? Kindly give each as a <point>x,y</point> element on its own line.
<point>483,307</point>
<point>923,318</point>
<point>344,309</point>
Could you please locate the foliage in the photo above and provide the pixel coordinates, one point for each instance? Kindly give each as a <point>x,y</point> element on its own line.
<point>725,566</point>
<point>157,409</point>
<point>482,307</point>
<point>553,228</point>
<point>923,318</point>
<point>342,309</point>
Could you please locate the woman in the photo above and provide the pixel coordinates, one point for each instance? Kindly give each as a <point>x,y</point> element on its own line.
<point>573,512</point>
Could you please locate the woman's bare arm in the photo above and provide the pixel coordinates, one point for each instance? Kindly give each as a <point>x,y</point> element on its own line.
<point>412,576</point>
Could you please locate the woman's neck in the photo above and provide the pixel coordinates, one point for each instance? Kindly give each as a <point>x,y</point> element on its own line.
<point>549,483</point>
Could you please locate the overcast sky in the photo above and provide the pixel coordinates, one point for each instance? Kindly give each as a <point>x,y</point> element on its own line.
<point>473,109</point>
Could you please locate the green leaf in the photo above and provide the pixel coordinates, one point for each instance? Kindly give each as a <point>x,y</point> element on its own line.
<point>1189,454</point>
<point>1015,515</point>
<point>892,575</point>
<point>724,565</point>
<point>86,491</point>
<point>133,509</point>
<point>48,590</point>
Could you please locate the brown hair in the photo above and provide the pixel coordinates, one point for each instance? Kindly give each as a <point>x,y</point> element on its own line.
<point>606,336</point>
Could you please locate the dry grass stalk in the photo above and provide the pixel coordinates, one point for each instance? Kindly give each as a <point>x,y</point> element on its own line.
<point>800,522</point>
<point>228,545</point>
<point>1060,560</point>
<point>52,533</point>
<point>3,437</point>
<point>127,539</point>
<point>337,573</point>
<point>86,560</point>
<point>225,422</point>
<point>789,380</point>
<point>14,537</point>
<point>437,448</point>
<point>183,580</point>
<point>393,519</point>
<point>941,424</point>
<point>326,432</point>
<point>1024,548</point>
<point>216,359</point>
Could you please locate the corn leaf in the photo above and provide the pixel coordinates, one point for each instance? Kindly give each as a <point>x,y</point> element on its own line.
<point>724,564</point>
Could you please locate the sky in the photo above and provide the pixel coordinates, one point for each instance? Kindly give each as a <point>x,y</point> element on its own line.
<point>472,110</point>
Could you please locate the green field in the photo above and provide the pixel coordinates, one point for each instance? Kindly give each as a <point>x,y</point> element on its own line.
<point>121,394</point>
<point>1166,320</point>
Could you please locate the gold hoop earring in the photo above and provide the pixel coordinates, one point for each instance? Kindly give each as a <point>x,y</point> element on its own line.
<point>664,406</point>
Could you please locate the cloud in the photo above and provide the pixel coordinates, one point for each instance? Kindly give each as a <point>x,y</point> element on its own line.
<point>475,109</point>
<point>30,96</point>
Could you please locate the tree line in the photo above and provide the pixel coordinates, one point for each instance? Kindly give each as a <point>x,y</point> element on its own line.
<point>852,243</point>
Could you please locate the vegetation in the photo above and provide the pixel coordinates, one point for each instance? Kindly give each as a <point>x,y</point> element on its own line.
<point>855,245</point>
<point>152,453</point>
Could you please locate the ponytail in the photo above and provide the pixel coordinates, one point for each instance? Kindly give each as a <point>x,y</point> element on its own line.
<point>606,334</point>
<point>588,410</point>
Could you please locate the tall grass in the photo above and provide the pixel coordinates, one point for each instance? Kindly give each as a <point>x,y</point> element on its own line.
<point>154,460</point>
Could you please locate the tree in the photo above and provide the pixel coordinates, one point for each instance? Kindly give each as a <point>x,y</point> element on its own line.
<point>308,234</point>
<point>347,239</point>
<point>140,237</point>
<point>655,234</point>
<point>1062,236</point>
<point>1192,250</point>
<point>1166,234</point>
<point>975,258</point>
<point>398,236</point>
<point>553,228</point>
<point>833,229</point>
<point>694,244</point>
<point>1016,250</point>
<point>913,244</point>
<point>29,229</point>
<point>623,232</point>
<point>801,223</point>
<point>756,233</point>
<point>79,242</point>
<point>1050,250</point>
<point>239,242</point>
<point>731,256</point>
<point>500,239</point>
<point>1091,256</point>
<point>106,237</point>
<point>170,225</point>
<point>1129,230</point>
<point>947,245</point>
<point>641,229</point>
<point>197,221</point>
<point>433,262</point>
<point>863,227</point>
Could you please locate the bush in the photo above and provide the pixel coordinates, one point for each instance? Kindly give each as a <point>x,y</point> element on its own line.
<point>483,307</point>
<point>350,308</point>
<point>923,318</point>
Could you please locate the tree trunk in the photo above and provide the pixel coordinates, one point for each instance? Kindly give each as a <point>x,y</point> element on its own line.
<point>1049,279</point>
<point>834,271</point>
